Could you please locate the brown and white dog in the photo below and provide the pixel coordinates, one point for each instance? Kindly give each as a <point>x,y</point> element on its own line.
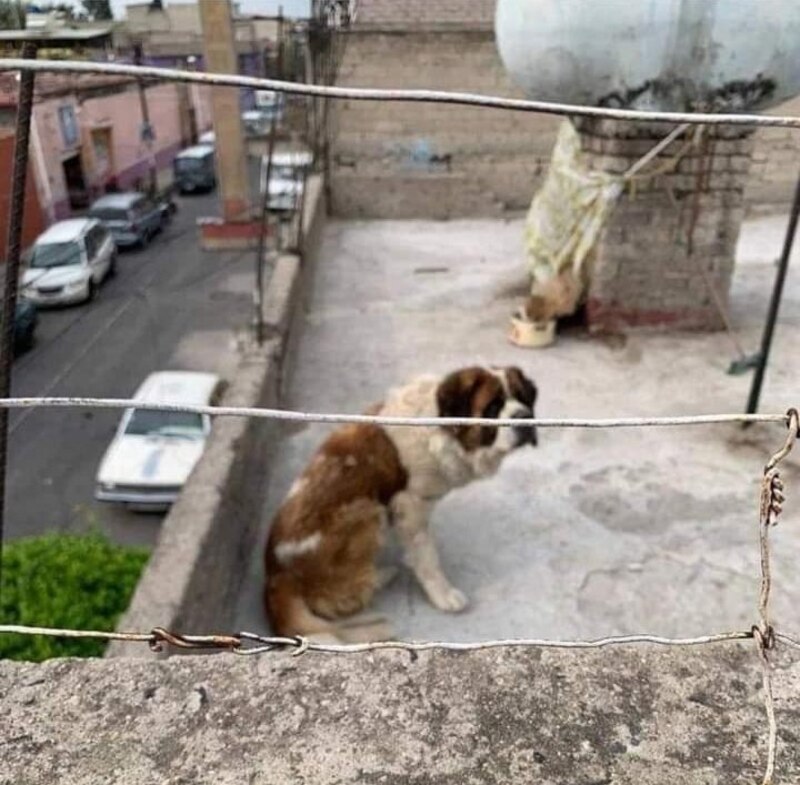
<point>320,557</point>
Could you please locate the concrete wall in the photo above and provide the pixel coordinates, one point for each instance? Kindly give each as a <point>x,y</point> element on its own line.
<point>421,160</point>
<point>194,575</point>
<point>626,716</point>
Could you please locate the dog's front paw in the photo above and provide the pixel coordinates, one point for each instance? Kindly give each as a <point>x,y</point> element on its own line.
<point>451,600</point>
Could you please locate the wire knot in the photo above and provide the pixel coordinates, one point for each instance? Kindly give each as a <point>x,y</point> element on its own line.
<point>772,497</point>
<point>764,637</point>
<point>793,421</point>
<point>159,636</point>
<point>302,644</point>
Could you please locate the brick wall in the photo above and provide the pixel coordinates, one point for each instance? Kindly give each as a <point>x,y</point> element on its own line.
<point>666,243</point>
<point>408,13</point>
<point>33,218</point>
<point>409,160</point>
<point>776,163</point>
<point>422,160</point>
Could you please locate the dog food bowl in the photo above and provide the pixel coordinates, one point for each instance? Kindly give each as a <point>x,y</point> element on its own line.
<point>531,335</point>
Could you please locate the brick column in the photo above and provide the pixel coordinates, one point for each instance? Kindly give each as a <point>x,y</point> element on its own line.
<point>236,227</point>
<point>649,262</point>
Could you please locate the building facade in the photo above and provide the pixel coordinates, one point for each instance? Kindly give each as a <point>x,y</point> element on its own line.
<point>87,136</point>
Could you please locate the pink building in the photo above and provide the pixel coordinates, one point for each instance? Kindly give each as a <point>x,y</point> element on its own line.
<point>87,135</point>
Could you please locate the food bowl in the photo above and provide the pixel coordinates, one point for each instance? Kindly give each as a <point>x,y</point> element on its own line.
<point>531,334</point>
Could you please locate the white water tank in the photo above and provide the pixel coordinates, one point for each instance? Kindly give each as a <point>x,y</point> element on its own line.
<point>653,54</point>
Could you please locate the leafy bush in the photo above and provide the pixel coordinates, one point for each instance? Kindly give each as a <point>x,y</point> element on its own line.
<point>56,580</point>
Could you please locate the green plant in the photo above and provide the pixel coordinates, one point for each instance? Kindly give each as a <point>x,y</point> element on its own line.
<point>81,581</point>
<point>12,15</point>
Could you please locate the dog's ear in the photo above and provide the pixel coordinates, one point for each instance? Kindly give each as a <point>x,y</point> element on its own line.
<point>454,395</point>
<point>522,388</point>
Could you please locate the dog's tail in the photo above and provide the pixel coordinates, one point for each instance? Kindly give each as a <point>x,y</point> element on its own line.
<point>289,614</point>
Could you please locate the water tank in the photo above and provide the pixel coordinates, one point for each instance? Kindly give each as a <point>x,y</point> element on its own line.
<point>653,54</point>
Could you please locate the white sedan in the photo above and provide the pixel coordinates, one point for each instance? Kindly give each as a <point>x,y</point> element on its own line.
<point>153,452</point>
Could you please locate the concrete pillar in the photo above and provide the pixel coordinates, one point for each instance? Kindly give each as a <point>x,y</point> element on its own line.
<point>671,237</point>
<point>220,57</point>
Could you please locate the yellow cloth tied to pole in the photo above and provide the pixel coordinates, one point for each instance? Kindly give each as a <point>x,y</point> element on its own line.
<point>564,222</point>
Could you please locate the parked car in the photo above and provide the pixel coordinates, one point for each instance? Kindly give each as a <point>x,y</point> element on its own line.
<point>208,138</point>
<point>68,262</point>
<point>269,103</point>
<point>285,178</point>
<point>133,218</point>
<point>194,169</point>
<point>25,320</point>
<point>153,452</point>
<point>256,122</point>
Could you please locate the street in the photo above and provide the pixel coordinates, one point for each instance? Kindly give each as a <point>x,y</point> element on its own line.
<point>170,306</point>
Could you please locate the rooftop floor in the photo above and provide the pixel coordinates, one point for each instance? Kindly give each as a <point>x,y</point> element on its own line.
<point>593,532</point>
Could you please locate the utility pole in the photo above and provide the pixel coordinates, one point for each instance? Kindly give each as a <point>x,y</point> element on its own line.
<point>264,222</point>
<point>279,64</point>
<point>774,305</point>
<point>12,257</point>
<point>147,133</point>
<point>220,57</point>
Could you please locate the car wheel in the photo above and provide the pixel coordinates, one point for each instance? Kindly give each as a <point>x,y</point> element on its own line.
<point>91,290</point>
<point>112,267</point>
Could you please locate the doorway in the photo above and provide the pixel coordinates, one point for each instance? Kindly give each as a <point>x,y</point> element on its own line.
<point>77,192</point>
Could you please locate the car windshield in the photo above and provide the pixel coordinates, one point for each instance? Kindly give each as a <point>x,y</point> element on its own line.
<point>56,255</point>
<point>144,422</point>
<point>109,213</point>
<point>188,164</point>
<point>283,172</point>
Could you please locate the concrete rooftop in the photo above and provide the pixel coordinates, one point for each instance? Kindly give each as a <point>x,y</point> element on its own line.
<point>594,532</point>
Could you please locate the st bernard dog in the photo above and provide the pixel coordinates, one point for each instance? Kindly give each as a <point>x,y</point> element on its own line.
<point>320,559</point>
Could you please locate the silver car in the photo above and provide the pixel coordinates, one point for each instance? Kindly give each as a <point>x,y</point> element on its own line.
<point>132,218</point>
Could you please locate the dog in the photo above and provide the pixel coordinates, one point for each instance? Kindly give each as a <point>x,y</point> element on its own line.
<point>320,559</point>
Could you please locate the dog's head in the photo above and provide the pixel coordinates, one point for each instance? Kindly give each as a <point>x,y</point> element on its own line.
<point>493,393</point>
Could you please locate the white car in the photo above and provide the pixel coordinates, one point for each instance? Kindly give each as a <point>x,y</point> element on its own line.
<point>68,263</point>
<point>286,178</point>
<point>153,452</point>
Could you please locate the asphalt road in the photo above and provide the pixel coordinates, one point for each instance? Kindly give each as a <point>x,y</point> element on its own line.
<point>170,306</point>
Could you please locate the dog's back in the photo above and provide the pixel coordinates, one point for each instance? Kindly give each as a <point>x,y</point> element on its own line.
<point>320,557</point>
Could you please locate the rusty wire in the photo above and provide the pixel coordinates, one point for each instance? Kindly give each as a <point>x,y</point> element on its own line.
<point>242,642</point>
<point>770,508</point>
<point>415,96</point>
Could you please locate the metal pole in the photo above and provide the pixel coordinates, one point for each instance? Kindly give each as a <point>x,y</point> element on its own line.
<point>13,248</point>
<point>147,129</point>
<point>262,238</point>
<point>279,64</point>
<point>774,305</point>
<point>258,294</point>
<point>300,209</point>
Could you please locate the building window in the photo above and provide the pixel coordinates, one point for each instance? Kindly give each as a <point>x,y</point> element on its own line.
<point>69,128</point>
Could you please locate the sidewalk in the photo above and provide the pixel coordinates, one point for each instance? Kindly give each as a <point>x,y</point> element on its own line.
<point>595,532</point>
